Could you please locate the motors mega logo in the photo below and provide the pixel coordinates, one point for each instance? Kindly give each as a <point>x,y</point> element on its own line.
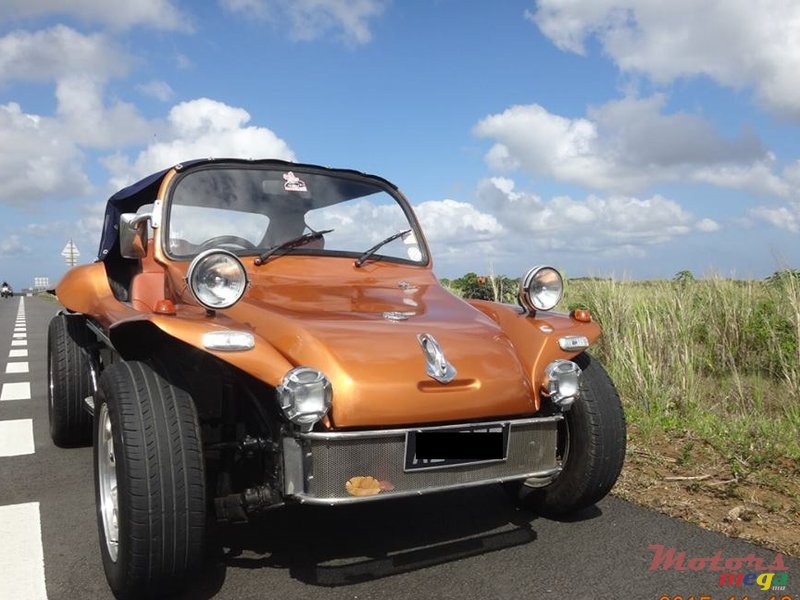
<point>731,570</point>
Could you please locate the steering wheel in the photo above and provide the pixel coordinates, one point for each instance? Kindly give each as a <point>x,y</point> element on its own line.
<point>225,240</point>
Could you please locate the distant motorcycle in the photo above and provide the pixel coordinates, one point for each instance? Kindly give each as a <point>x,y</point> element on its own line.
<point>6,291</point>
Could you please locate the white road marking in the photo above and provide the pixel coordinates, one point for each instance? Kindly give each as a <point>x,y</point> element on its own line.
<point>21,554</point>
<point>16,439</point>
<point>18,353</point>
<point>17,367</point>
<point>16,391</point>
<point>19,342</point>
<point>19,336</point>
<point>19,329</point>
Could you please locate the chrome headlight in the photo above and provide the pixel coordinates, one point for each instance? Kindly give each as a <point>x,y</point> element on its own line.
<point>562,382</point>
<point>217,278</point>
<point>540,289</point>
<point>305,396</point>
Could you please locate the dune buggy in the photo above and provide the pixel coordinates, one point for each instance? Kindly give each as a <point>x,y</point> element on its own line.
<point>257,333</point>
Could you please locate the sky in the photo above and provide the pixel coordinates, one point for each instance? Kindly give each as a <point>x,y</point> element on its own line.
<point>621,138</point>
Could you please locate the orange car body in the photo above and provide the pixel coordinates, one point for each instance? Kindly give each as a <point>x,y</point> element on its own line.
<point>331,315</point>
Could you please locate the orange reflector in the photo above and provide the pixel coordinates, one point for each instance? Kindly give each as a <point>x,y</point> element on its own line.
<point>164,307</point>
<point>582,315</point>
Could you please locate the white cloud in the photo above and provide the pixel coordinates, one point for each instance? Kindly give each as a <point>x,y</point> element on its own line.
<point>89,121</point>
<point>792,174</point>
<point>451,221</point>
<point>736,43</point>
<point>87,229</point>
<point>622,147</point>
<point>311,19</point>
<point>79,65</point>
<point>42,163</point>
<point>592,225</point>
<point>159,14</point>
<point>707,226</point>
<point>758,178</point>
<point>783,217</point>
<point>12,245</point>
<point>59,52</point>
<point>84,230</point>
<point>200,128</point>
<point>160,90</point>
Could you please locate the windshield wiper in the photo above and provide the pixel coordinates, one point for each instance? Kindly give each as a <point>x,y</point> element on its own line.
<point>300,240</point>
<point>363,258</point>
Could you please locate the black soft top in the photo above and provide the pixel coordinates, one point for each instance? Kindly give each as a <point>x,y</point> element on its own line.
<point>129,199</point>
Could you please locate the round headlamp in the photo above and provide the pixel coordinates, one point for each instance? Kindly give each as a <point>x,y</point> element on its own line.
<point>305,396</point>
<point>217,278</point>
<point>540,289</point>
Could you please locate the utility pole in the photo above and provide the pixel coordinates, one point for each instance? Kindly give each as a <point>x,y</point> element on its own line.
<point>70,254</point>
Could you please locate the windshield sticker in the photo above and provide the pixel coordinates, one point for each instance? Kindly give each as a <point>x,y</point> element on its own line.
<point>293,183</point>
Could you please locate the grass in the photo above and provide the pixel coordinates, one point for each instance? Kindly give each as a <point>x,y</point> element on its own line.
<point>718,358</point>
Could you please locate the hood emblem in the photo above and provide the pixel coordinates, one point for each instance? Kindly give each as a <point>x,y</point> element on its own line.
<point>436,365</point>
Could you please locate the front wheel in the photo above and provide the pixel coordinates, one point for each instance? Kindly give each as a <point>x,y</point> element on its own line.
<point>149,481</point>
<point>591,444</point>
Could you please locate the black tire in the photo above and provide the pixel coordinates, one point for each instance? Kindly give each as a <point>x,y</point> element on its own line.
<point>159,480</point>
<point>594,433</point>
<point>69,381</point>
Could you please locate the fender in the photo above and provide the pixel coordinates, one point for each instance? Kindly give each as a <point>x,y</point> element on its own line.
<point>535,337</point>
<point>85,289</point>
<point>124,323</point>
<point>263,361</point>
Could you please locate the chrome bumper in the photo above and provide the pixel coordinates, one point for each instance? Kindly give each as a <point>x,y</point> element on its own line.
<point>317,465</point>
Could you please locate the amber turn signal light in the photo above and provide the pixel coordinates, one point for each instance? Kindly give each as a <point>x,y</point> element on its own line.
<point>582,315</point>
<point>164,307</point>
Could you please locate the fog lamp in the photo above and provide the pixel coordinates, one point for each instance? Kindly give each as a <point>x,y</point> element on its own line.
<point>305,396</point>
<point>562,383</point>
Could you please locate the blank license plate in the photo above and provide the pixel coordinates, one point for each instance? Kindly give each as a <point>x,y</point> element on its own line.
<point>437,449</point>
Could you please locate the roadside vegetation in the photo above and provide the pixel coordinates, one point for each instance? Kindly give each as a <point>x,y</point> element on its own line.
<point>709,373</point>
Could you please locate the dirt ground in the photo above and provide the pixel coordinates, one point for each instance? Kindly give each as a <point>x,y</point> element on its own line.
<point>685,477</point>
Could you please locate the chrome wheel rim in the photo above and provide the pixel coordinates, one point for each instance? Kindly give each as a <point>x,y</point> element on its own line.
<point>107,481</point>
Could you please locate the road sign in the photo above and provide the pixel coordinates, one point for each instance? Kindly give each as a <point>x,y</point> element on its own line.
<point>70,253</point>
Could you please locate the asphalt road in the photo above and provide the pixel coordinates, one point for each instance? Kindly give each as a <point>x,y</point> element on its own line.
<point>472,544</point>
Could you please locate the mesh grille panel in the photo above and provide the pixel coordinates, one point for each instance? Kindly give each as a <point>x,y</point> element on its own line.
<point>532,448</point>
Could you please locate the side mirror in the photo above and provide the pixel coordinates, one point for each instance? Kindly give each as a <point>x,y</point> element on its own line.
<point>133,235</point>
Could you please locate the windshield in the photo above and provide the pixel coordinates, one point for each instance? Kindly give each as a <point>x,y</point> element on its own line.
<point>251,210</point>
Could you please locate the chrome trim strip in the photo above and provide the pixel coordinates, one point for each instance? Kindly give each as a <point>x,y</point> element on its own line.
<point>304,499</point>
<point>293,471</point>
<point>373,433</point>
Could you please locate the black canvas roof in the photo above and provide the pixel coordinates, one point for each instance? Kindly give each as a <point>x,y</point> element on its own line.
<point>129,199</point>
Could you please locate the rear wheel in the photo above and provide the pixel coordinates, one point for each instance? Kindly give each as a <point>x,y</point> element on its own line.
<point>591,444</point>
<point>149,484</point>
<point>69,380</point>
